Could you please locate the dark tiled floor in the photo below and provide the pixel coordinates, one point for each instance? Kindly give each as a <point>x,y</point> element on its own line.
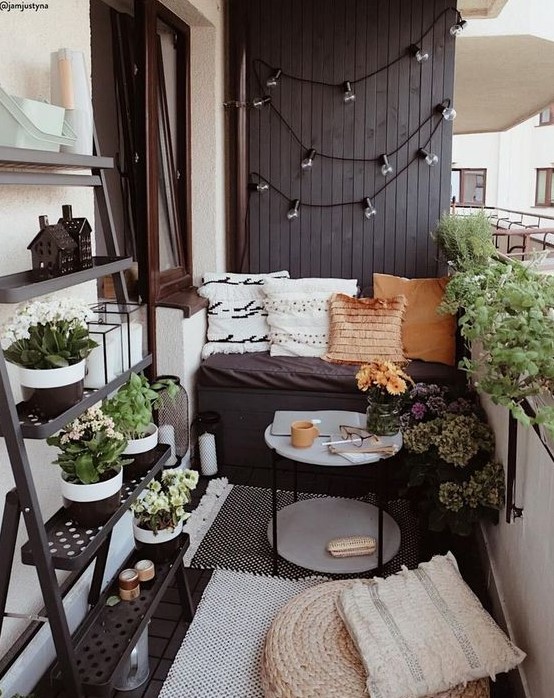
<point>168,628</point>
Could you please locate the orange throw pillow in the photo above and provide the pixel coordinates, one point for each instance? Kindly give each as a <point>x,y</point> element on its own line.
<point>426,334</point>
<point>363,329</point>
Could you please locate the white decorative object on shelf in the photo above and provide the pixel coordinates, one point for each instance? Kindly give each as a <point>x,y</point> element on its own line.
<point>167,436</point>
<point>104,362</point>
<point>69,87</point>
<point>208,454</point>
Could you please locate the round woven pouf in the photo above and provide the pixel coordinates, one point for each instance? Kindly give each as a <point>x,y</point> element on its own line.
<point>308,652</point>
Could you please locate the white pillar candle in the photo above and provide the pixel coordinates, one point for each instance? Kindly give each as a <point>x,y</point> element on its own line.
<point>132,344</point>
<point>208,454</point>
<point>166,435</point>
<point>100,367</point>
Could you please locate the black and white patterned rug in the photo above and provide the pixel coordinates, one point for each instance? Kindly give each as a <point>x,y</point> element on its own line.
<point>228,530</point>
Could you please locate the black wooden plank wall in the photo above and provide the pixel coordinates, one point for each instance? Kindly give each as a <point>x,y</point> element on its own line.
<point>332,41</point>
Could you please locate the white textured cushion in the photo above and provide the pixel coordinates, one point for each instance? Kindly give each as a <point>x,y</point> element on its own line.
<point>237,319</point>
<point>297,313</point>
<point>423,631</point>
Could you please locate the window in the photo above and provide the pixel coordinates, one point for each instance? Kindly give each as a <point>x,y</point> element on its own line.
<point>546,116</point>
<point>544,191</point>
<point>469,187</point>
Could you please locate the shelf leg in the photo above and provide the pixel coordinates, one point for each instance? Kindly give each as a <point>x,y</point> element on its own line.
<point>99,569</point>
<point>184,593</point>
<point>8,537</point>
<point>274,510</point>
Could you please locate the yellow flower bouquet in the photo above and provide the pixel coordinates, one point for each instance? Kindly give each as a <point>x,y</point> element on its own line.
<point>385,384</point>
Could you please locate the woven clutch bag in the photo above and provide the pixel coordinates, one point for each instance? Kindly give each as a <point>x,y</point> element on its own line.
<point>351,545</point>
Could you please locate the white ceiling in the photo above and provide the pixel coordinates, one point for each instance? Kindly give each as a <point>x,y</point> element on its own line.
<point>481,9</point>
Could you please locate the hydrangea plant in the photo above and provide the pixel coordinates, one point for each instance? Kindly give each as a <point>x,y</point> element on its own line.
<point>162,506</point>
<point>48,333</point>
<point>448,448</point>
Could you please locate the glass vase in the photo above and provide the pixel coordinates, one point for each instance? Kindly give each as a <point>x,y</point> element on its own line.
<point>383,418</point>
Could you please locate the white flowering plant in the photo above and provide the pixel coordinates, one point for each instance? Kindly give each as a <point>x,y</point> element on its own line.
<point>48,333</point>
<point>90,448</point>
<point>162,506</point>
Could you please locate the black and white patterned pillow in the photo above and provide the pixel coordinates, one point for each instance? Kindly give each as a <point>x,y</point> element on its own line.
<point>237,319</point>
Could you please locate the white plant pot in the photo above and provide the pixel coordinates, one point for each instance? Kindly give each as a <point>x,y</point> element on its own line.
<point>144,535</point>
<point>145,443</point>
<point>159,547</point>
<point>52,377</point>
<point>92,505</point>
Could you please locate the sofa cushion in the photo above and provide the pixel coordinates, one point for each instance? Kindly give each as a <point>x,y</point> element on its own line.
<point>237,319</point>
<point>260,371</point>
<point>364,329</point>
<point>426,334</point>
<point>297,313</point>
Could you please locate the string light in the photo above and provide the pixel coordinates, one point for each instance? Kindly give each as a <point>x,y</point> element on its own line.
<point>260,187</point>
<point>294,210</point>
<point>259,102</point>
<point>369,208</point>
<point>386,167</point>
<point>308,161</point>
<point>419,54</point>
<point>349,94</point>
<point>273,79</point>
<point>430,158</point>
<point>458,28</point>
<point>448,112</point>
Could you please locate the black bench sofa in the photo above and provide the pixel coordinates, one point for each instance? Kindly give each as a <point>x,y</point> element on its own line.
<point>246,390</point>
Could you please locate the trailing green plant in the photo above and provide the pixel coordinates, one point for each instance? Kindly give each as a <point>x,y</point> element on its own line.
<point>90,448</point>
<point>466,241</point>
<point>506,313</point>
<point>131,408</point>
<point>49,333</point>
<point>448,449</point>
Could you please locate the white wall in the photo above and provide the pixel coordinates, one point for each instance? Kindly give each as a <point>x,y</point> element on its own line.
<point>521,556</point>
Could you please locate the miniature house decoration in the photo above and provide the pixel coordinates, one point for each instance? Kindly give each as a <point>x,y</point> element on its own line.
<point>53,251</point>
<point>80,231</point>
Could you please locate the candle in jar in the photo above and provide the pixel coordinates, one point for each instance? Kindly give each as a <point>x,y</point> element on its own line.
<point>132,344</point>
<point>101,369</point>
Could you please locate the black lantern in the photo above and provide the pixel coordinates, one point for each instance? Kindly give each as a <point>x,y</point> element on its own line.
<point>173,422</point>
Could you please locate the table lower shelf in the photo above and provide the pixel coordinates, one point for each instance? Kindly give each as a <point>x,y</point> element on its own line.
<point>305,527</point>
<point>105,640</point>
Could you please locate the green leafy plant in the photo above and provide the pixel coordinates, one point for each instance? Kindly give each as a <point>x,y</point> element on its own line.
<point>448,449</point>
<point>466,241</point>
<point>50,333</point>
<point>506,313</point>
<point>162,506</point>
<point>90,448</point>
<point>131,408</point>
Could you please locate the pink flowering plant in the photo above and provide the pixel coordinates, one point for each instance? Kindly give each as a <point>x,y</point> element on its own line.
<point>90,448</point>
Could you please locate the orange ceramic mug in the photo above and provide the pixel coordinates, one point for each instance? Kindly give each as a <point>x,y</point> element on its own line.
<point>303,433</point>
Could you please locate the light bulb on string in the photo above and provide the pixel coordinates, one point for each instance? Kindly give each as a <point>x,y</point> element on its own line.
<point>273,79</point>
<point>349,94</point>
<point>369,208</point>
<point>259,102</point>
<point>448,112</point>
<point>430,158</point>
<point>458,28</point>
<point>294,210</point>
<point>308,161</point>
<point>419,54</point>
<point>386,167</point>
<point>260,187</point>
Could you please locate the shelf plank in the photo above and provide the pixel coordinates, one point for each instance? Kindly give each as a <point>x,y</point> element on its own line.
<point>33,427</point>
<point>72,546</point>
<point>24,158</point>
<point>21,286</point>
<point>108,635</point>
<point>49,178</point>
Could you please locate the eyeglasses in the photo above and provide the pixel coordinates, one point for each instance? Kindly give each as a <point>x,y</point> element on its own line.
<point>356,435</point>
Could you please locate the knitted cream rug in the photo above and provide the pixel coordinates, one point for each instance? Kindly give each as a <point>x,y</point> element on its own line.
<point>228,530</point>
<point>221,653</point>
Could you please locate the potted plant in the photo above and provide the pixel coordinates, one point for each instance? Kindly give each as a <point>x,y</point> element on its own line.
<point>131,409</point>
<point>448,456</point>
<point>159,513</point>
<point>49,341</point>
<point>466,241</point>
<point>91,462</point>
<point>385,384</point>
